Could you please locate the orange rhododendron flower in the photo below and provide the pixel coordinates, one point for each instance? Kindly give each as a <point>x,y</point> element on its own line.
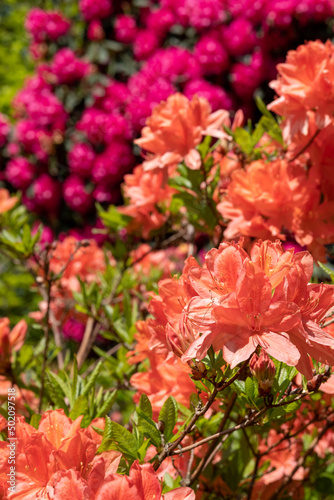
<point>145,191</point>
<point>165,377</point>
<point>6,202</point>
<point>10,340</point>
<point>283,460</point>
<point>141,484</point>
<point>236,302</point>
<point>169,261</point>
<point>22,396</point>
<point>305,87</point>
<point>176,127</point>
<point>267,199</point>
<point>56,460</point>
<point>321,152</point>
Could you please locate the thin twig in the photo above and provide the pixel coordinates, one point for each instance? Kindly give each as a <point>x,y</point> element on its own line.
<point>187,479</point>
<point>46,347</point>
<point>307,145</point>
<point>90,334</point>
<point>238,427</point>
<point>212,448</point>
<point>302,460</point>
<point>251,486</point>
<point>247,423</point>
<point>199,411</point>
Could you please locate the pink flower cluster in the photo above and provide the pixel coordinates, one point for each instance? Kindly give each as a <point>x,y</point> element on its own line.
<point>45,25</point>
<point>76,117</point>
<point>92,9</point>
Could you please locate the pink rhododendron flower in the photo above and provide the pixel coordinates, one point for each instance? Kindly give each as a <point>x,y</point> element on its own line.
<point>125,29</point>
<point>95,9</point>
<point>43,24</point>
<point>67,68</point>
<point>20,172</point>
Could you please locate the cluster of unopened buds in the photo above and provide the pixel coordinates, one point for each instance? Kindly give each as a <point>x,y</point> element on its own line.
<point>264,370</point>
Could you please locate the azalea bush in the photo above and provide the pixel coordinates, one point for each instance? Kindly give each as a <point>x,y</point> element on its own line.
<point>102,66</point>
<point>186,351</point>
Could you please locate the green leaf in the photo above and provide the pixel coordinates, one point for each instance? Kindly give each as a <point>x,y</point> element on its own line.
<point>148,427</point>
<point>258,133</point>
<point>64,387</point>
<point>35,419</point>
<point>328,271</point>
<point>239,386</point>
<point>244,139</point>
<point>263,108</point>
<point>325,484</point>
<point>127,309</point>
<point>168,415</point>
<point>250,388</point>
<point>142,451</point>
<point>98,430</point>
<point>145,405</point>
<point>107,405</point>
<point>112,218</point>
<point>80,407</point>
<point>292,407</point>
<point>276,413</point>
<point>228,131</point>
<point>26,237</point>
<point>55,392</point>
<point>178,182</point>
<point>92,378</point>
<point>272,128</point>
<point>117,437</point>
<point>204,146</point>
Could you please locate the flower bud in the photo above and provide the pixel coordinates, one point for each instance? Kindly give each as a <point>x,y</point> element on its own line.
<point>198,370</point>
<point>264,371</point>
<point>161,426</point>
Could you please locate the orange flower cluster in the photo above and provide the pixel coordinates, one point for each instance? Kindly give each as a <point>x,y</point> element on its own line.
<point>176,127</point>
<point>164,377</point>
<point>292,194</point>
<point>236,302</point>
<point>148,194</point>
<point>283,460</point>
<point>171,135</point>
<point>141,484</point>
<point>60,460</point>
<point>305,87</point>
<point>22,396</point>
<point>266,200</point>
<point>56,461</point>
